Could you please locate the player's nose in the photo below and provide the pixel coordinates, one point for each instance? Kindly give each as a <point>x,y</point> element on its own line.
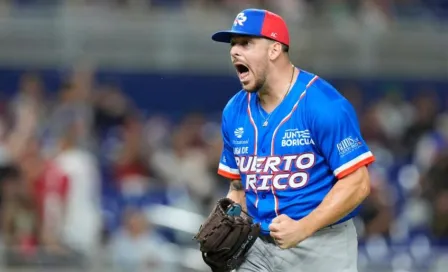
<point>235,51</point>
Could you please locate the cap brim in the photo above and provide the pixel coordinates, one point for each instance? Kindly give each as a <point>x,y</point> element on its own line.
<point>226,36</point>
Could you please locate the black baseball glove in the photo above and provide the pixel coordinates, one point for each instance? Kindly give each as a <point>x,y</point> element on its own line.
<point>225,239</point>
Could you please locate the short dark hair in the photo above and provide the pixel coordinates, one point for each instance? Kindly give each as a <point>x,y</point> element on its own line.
<point>285,48</point>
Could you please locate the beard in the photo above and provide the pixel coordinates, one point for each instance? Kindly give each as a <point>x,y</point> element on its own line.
<point>256,84</point>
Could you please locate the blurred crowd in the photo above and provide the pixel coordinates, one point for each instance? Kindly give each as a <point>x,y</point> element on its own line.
<point>293,9</point>
<point>79,169</point>
<point>409,135</point>
<point>84,170</point>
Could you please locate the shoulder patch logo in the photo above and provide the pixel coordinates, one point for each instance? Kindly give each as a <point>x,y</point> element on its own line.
<point>239,132</point>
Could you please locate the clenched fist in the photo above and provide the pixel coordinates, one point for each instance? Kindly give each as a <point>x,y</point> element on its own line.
<point>287,232</point>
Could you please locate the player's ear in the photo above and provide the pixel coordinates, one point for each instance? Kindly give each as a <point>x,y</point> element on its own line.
<point>275,50</point>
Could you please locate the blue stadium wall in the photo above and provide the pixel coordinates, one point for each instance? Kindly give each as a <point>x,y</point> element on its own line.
<point>176,94</point>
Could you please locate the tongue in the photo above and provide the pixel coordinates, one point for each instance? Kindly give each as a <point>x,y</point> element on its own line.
<point>244,74</point>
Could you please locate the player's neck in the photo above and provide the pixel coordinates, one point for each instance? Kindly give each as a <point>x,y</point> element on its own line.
<point>278,84</point>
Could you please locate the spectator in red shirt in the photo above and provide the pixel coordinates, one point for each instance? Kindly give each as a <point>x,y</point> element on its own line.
<point>48,186</point>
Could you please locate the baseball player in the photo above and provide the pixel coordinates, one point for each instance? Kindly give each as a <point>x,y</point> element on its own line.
<point>293,152</point>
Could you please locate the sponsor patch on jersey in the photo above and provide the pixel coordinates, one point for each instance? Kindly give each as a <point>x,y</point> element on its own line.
<point>241,150</point>
<point>295,137</point>
<point>239,132</point>
<point>240,142</point>
<point>348,145</point>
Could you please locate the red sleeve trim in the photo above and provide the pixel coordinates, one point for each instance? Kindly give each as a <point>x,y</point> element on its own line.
<point>355,167</point>
<point>228,175</point>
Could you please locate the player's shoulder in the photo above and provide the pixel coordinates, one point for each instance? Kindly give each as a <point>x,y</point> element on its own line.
<point>235,104</point>
<point>319,88</point>
<point>321,94</point>
<point>322,102</point>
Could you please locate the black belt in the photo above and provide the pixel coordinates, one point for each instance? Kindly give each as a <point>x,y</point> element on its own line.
<point>267,238</point>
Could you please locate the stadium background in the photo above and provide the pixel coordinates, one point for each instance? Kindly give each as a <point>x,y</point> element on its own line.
<point>110,136</point>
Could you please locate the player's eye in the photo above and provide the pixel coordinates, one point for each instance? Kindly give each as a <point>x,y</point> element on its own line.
<point>243,43</point>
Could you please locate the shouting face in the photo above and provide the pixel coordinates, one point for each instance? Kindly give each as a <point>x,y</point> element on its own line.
<point>250,57</point>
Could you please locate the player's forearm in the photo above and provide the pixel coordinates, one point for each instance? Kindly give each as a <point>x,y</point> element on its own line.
<point>237,193</point>
<point>345,196</point>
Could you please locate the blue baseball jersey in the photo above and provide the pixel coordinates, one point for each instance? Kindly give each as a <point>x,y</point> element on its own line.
<point>312,140</point>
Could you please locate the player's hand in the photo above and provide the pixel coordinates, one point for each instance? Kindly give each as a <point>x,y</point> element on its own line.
<point>287,232</point>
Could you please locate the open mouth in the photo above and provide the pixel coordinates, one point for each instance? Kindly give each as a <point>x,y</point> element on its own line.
<point>242,70</point>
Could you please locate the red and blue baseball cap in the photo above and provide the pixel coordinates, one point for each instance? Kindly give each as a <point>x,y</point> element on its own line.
<point>256,23</point>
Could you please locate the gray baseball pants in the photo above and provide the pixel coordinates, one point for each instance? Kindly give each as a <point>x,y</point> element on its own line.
<point>332,249</point>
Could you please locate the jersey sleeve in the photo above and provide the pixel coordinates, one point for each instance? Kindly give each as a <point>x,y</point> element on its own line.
<point>336,129</point>
<point>227,166</point>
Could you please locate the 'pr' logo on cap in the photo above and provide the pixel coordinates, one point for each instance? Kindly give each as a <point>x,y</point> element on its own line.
<point>240,19</point>
<point>256,23</point>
